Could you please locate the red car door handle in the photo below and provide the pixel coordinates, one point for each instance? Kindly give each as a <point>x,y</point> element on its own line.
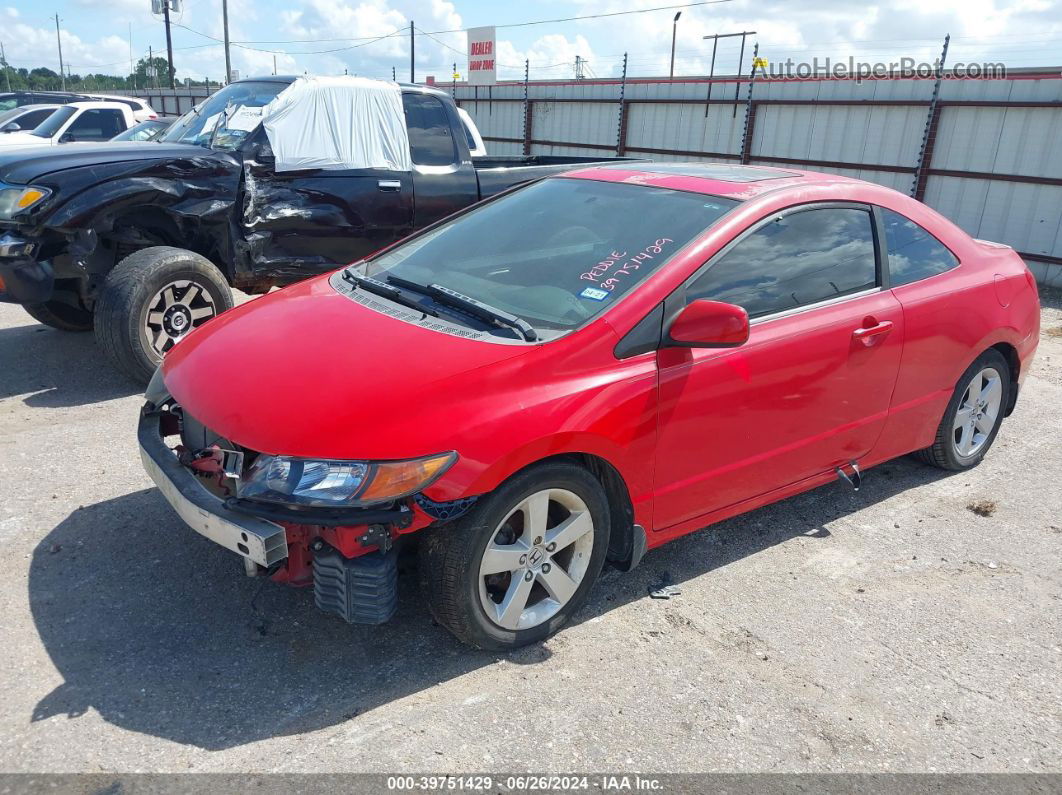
<point>868,335</point>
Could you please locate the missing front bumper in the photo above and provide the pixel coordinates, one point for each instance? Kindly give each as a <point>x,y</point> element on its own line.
<point>256,539</point>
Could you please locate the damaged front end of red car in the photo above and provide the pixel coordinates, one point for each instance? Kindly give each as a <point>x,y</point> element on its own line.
<point>261,507</point>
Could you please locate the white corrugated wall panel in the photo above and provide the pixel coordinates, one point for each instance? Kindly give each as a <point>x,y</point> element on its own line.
<point>1025,141</point>
<point>685,127</point>
<point>1021,215</point>
<point>577,122</point>
<point>498,119</point>
<point>884,135</point>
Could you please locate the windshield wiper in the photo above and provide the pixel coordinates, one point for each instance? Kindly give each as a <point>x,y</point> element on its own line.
<point>385,291</point>
<point>444,295</point>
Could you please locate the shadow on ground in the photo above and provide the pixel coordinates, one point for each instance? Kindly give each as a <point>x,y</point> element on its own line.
<point>55,369</point>
<point>157,629</point>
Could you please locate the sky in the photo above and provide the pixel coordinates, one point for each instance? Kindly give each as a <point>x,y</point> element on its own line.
<point>370,37</point>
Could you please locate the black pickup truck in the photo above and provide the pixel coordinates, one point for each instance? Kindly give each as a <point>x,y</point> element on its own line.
<point>142,241</point>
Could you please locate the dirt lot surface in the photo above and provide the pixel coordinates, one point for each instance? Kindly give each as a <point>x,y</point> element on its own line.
<point>913,626</point>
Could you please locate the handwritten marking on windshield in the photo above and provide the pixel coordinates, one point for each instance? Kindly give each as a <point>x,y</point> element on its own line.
<point>634,263</point>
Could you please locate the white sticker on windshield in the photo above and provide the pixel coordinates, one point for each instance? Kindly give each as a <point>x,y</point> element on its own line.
<point>594,294</point>
<point>245,118</point>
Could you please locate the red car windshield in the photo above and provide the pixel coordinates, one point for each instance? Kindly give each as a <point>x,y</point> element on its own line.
<point>558,252</point>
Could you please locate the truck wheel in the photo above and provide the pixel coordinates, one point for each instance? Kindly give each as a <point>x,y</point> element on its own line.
<point>150,300</point>
<point>515,568</point>
<point>973,416</point>
<point>61,316</point>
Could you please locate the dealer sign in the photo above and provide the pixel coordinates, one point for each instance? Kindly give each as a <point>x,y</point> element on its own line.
<point>482,70</point>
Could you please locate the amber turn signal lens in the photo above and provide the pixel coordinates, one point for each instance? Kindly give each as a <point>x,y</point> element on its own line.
<point>29,197</point>
<point>393,479</point>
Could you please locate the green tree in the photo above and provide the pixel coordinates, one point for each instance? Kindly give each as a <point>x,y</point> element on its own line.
<point>161,75</point>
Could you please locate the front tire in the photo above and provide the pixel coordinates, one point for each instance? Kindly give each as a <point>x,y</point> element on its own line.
<point>59,315</point>
<point>974,414</point>
<point>152,299</point>
<point>516,567</point>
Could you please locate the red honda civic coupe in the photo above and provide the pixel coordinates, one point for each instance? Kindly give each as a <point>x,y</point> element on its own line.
<point>578,371</point>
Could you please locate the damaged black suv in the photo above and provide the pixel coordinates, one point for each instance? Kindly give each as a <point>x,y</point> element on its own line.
<point>142,241</point>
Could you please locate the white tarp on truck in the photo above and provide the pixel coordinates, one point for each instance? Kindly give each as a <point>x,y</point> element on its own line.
<point>338,123</point>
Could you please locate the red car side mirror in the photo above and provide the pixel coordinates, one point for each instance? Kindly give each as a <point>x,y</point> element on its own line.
<point>709,324</point>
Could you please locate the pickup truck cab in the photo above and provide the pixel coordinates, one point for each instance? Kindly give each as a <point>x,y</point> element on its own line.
<point>142,241</point>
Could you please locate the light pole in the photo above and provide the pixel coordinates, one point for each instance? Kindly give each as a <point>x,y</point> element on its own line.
<point>674,30</point>
<point>225,24</point>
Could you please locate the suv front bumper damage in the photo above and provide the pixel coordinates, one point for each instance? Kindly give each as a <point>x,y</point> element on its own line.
<point>255,539</point>
<point>24,280</point>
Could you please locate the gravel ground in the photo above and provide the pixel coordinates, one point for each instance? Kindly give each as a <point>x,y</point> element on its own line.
<point>891,629</point>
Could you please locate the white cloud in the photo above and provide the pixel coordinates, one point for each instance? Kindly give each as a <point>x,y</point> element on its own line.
<point>551,57</point>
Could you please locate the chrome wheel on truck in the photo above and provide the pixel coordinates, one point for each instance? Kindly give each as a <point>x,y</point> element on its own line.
<point>516,567</point>
<point>538,557</point>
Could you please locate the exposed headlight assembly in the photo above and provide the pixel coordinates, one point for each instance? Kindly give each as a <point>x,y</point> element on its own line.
<point>339,484</point>
<point>17,199</point>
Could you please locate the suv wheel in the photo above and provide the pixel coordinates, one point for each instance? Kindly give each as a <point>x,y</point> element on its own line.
<point>516,567</point>
<point>973,416</point>
<point>151,300</point>
<point>62,316</point>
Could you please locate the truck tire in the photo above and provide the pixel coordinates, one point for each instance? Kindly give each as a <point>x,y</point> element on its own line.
<point>61,316</point>
<point>491,577</point>
<point>150,300</point>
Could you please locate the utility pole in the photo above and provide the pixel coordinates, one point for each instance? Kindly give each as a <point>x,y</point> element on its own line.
<point>3,60</point>
<point>225,23</point>
<point>59,41</point>
<point>132,68</point>
<point>153,73</point>
<point>412,76</point>
<point>169,42</point>
<point>674,30</point>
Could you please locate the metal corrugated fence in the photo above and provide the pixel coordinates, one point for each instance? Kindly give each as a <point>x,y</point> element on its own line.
<point>992,160</point>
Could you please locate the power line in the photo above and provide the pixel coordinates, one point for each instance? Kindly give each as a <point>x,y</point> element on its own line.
<point>404,29</point>
<point>598,16</point>
<point>397,32</point>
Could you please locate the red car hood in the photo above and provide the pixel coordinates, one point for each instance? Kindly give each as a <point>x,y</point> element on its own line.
<point>309,372</point>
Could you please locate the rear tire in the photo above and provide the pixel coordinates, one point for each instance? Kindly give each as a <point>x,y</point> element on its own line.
<point>152,299</point>
<point>545,586</point>
<point>973,416</point>
<point>61,316</point>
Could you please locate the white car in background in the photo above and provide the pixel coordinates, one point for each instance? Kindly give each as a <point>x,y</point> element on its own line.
<point>142,111</point>
<point>25,118</point>
<point>78,121</point>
